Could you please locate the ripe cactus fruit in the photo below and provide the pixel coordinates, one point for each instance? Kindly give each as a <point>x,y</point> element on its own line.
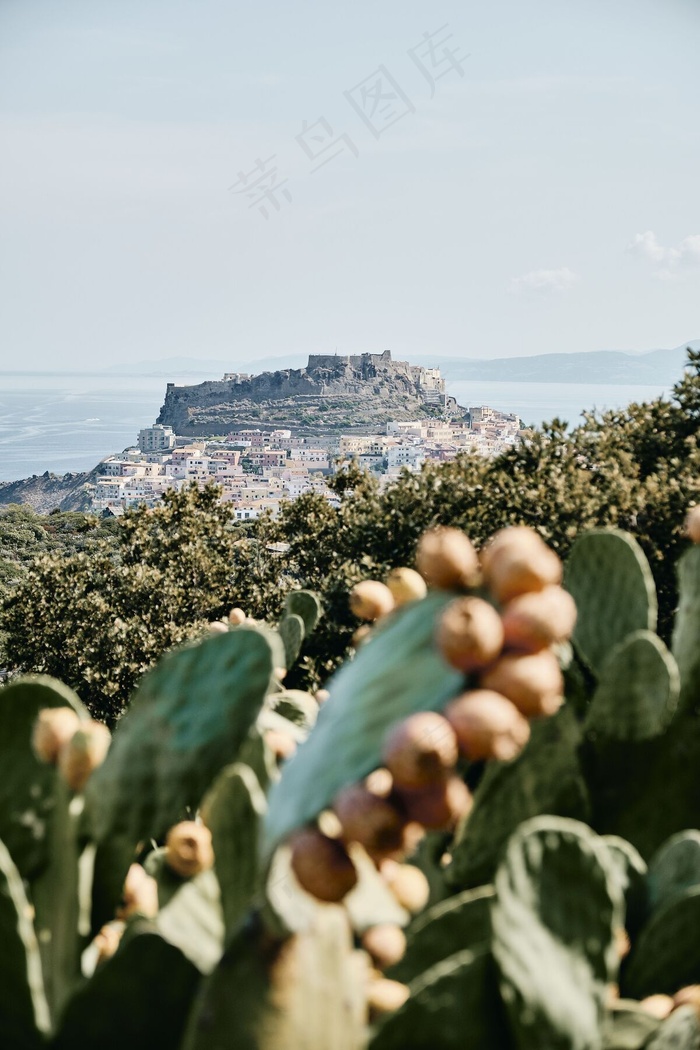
<point>406,585</point>
<point>446,558</point>
<point>487,725</point>
<point>370,600</point>
<point>140,895</point>
<point>517,561</point>
<point>236,617</point>
<point>386,943</point>
<point>420,751</point>
<point>440,806</point>
<point>53,728</point>
<point>188,849</point>
<point>281,744</point>
<point>469,634</point>
<point>408,884</point>
<point>385,996</point>
<point>532,681</point>
<point>692,524</point>
<point>83,753</point>
<point>659,1006</point>
<point>535,621</point>
<point>369,815</point>
<point>217,627</point>
<point>107,941</point>
<point>321,865</point>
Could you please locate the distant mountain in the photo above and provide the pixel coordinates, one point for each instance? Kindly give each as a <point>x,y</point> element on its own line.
<point>594,366</point>
<point>597,366</point>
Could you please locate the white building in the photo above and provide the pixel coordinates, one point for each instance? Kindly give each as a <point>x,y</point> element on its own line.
<point>156,438</point>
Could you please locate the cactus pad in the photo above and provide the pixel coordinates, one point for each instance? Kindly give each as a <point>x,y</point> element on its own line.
<point>233,810</point>
<point>631,873</point>
<point>454,1006</point>
<point>686,629</point>
<point>666,955</point>
<point>674,868</point>
<point>291,629</point>
<point>27,785</point>
<point>193,921</point>
<point>188,719</point>
<point>637,691</point>
<point>462,921</point>
<point>680,1031</point>
<point>305,604</point>
<point>555,946</point>
<point>139,999</point>
<point>397,673</point>
<point>611,582</point>
<point>24,1011</point>
<point>546,778</point>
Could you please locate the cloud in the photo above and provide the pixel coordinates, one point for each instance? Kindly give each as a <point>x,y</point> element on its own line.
<point>670,260</point>
<point>545,280</point>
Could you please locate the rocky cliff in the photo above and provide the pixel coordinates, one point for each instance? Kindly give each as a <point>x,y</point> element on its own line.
<point>361,392</point>
<point>47,492</point>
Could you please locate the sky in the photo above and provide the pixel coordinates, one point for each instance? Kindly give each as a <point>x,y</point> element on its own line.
<point>214,179</point>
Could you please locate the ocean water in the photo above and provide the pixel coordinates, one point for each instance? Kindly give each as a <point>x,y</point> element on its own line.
<point>60,422</point>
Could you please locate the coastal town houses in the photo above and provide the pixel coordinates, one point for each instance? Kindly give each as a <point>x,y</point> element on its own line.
<point>258,469</point>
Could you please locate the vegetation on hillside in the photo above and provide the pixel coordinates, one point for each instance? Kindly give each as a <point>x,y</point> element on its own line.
<point>98,619</point>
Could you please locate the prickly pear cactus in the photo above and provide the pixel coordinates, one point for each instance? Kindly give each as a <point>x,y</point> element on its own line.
<point>462,921</point>
<point>631,873</point>
<point>666,954</point>
<point>307,605</point>
<point>680,1031</point>
<point>674,868</point>
<point>138,999</point>
<point>687,628</point>
<point>187,720</point>
<point>307,991</point>
<point>454,1005</point>
<point>611,582</point>
<point>233,810</point>
<point>24,1011</point>
<point>292,632</point>
<point>193,921</point>
<point>637,690</point>
<point>27,785</point>
<point>556,910</point>
<point>546,778</point>
<point>400,671</point>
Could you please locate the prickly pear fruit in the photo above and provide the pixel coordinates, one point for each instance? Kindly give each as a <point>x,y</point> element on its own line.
<point>281,744</point>
<point>688,996</point>
<point>487,725</point>
<point>517,561</point>
<point>368,815</point>
<point>107,941</point>
<point>408,884</point>
<point>217,627</point>
<point>692,524</point>
<point>370,599</point>
<point>469,634</point>
<point>421,751</point>
<point>53,728</point>
<point>406,585</point>
<point>83,753</point>
<point>385,996</point>
<point>386,943</point>
<point>140,894</point>
<point>532,681</point>
<point>236,617</point>
<point>659,1006</point>
<point>360,635</point>
<point>321,865</point>
<point>534,621</point>
<point>440,806</point>
<point>446,558</point>
<point>188,849</point>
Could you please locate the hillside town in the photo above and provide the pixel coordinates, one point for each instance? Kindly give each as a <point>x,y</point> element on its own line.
<point>257,469</point>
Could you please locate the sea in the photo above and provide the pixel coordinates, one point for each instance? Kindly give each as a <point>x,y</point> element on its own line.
<point>60,421</point>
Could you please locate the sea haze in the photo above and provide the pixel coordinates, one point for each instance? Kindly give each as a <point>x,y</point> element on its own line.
<point>63,422</point>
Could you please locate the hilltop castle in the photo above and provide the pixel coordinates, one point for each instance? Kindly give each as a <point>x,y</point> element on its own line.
<point>333,390</point>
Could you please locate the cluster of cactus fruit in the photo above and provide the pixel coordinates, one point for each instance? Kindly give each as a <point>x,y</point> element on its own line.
<point>479,835</point>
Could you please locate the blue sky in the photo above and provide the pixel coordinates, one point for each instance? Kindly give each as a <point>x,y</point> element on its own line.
<point>541,195</point>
